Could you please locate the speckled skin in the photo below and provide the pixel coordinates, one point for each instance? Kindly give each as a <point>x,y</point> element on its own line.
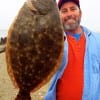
<point>34,46</point>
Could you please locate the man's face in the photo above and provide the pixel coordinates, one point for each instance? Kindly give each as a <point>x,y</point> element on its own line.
<point>70,15</point>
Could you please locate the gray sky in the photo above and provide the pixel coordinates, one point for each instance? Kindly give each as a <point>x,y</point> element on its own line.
<point>90,10</point>
<point>91,16</point>
<point>8,11</point>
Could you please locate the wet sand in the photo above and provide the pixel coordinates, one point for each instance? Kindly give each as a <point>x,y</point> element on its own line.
<point>7,89</point>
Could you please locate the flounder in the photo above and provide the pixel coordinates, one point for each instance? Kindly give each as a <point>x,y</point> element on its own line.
<point>34,47</point>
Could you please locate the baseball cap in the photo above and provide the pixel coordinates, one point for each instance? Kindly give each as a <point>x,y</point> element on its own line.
<point>61,2</point>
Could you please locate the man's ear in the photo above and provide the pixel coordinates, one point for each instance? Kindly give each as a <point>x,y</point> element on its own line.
<point>80,12</point>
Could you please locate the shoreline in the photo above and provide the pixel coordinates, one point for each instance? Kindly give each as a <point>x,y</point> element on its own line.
<point>7,89</point>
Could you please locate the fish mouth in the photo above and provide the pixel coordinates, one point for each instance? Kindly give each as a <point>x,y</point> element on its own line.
<point>38,6</point>
<point>30,5</point>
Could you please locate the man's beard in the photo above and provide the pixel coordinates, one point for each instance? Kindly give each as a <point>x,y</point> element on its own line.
<point>69,27</point>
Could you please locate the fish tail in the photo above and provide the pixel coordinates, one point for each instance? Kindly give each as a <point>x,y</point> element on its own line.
<point>23,95</point>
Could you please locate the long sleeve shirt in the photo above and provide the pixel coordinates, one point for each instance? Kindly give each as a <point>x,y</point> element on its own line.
<point>91,89</point>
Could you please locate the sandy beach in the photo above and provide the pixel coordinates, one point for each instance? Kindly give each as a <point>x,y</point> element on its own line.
<point>7,89</point>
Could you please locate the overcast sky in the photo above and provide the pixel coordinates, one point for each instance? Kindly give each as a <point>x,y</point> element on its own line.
<point>90,10</point>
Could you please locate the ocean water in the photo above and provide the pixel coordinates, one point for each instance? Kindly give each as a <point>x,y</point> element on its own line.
<point>3,33</point>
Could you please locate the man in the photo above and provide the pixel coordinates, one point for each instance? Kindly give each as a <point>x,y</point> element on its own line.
<point>79,75</point>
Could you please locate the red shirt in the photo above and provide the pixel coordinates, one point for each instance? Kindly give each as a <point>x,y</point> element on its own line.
<point>70,86</point>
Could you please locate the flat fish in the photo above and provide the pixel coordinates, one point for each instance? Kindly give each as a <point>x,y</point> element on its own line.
<point>34,47</point>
